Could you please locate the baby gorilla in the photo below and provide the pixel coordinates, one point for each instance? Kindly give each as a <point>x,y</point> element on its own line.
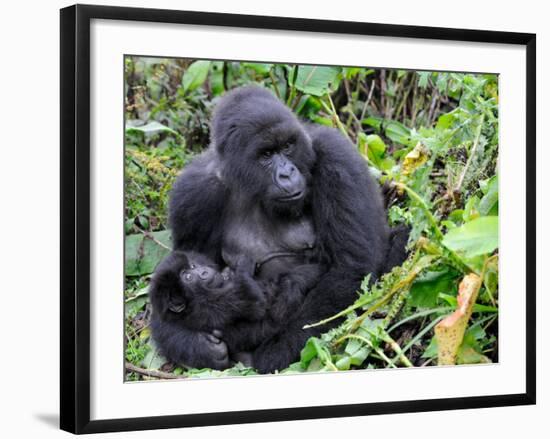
<point>189,291</point>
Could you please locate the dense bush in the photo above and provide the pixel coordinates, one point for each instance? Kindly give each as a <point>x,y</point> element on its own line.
<point>432,141</point>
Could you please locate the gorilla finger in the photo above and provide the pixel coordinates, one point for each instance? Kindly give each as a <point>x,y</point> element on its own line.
<point>213,339</point>
<point>219,350</point>
<point>221,364</point>
<point>245,358</point>
<point>217,333</point>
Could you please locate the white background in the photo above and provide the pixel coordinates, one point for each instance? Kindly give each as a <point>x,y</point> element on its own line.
<point>30,206</point>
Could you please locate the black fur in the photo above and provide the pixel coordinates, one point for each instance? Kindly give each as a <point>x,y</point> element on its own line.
<point>207,304</point>
<point>270,184</point>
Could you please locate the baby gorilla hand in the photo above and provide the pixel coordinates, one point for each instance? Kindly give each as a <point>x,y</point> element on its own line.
<point>251,291</point>
<point>286,300</point>
<point>245,265</point>
<point>214,349</point>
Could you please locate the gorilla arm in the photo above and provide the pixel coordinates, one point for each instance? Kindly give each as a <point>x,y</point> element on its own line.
<point>350,223</point>
<point>196,207</point>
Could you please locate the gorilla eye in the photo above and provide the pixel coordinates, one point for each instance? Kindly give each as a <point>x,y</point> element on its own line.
<point>266,154</point>
<point>192,266</point>
<point>288,146</point>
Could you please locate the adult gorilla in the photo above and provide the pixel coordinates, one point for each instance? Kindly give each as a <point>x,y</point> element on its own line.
<point>288,195</point>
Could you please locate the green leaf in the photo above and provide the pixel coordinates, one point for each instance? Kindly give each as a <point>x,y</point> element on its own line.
<point>431,350</point>
<point>216,78</point>
<point>153,360</point>
<point>376,146</point>
<point>315,348</point>
<point>134,306</point>
<point>373,121</point>
<point>357,350</point>
<point>398,133</point>
<point>143,252</point>
<point>471,211</point>
<point>259,68</point>
<point>426,288</point>
<point>316,80</point>
<point>343,363</point>
<point>308,353</point>
<point>195,75</point>
<point>446,120</point>
<point>451,300</point>
<point>489,203</point>
<point>423,79</point>
<point>470,349</point>
<point>150,128</point>
<point>477,237</point>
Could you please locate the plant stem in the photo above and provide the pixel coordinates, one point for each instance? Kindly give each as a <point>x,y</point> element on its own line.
<point>397,349</point>
<point>152,373</point>
<point>472,154</point>
<point>423,206</point>
<point>370,344</point>
<point>334,114</point>
<point>275,86</point>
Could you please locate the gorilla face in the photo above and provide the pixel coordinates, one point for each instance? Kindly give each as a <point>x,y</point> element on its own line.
<point>196,277</point>
<point>281,171</point>
<point>265,153</point>
<point>184,277</point>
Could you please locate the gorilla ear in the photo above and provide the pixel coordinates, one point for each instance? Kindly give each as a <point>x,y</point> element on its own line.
<point>224,136</point>
<point>181,258</point>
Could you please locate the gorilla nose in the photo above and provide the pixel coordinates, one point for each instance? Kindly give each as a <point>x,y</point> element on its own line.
<point>286,177</point>
<point>287,171</point>
<point>204,274</point>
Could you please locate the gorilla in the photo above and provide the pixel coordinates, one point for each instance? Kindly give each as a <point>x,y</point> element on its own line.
<point>189,290</point>
<point>291,196</point>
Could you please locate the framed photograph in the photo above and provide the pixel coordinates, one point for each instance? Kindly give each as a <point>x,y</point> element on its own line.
<point>268,218</point>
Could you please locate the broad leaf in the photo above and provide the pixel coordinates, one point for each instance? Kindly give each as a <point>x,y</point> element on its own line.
<point>260,68</point>
<point>489,203</point>
<point>153,360</point>
<point>374,148</point>
<point>216,78</point>
<point>144,252</point>
<point>315,348</point>
<point>373,121</point>
<point>316,80</point>
<point>426,288</point>
<point>475,238</point>
<point>398,133</point>
<point>195,75</point>
<point>150,128</point>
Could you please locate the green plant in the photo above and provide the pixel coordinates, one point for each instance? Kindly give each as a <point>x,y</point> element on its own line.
<point>431,138</point>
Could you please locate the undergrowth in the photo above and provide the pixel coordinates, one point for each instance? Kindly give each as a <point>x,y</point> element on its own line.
<point>431,139</point>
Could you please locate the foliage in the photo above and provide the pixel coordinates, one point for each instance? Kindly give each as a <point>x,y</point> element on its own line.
<point>431,138</point>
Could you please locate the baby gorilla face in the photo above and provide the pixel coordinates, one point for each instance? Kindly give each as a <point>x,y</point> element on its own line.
<point>196,276</point>
<point>189,278</point>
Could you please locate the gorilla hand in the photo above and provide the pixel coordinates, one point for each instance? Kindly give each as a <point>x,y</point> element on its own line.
<point>278,352</point>
<point>245,358</point>
<point>245,265</point>
<point>214,350</point>
<point>286,300</point>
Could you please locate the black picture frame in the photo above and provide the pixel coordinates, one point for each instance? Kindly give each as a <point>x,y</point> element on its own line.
<point>75,217</point>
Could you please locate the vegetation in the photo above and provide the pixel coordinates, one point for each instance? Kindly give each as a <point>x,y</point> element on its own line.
<point>432,141</point>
